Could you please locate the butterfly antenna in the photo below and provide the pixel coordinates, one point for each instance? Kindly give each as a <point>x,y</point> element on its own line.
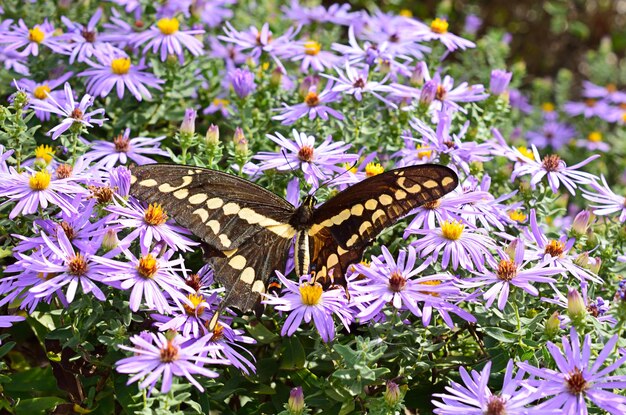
<point>284,153</point>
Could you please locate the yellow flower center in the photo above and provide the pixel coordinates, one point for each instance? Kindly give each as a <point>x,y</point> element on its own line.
<point>373,169</point>
<point>44,152</point>
<point>432,283</point>
<point>507,270</point>
<point>194,308</point>
<point>168,26</point>
<point>120,66</point>
<point>350,167</point>
<point>310,293</point>
<point>555,248</point>
<point>41,91</point>
<point>452,229</point>
<point>39,180</point>
<point>595,136</point>
<point>311,99</point>
<point>169,352</point>
<point>36,35</point>
<point>218,333</point>
<point>423,154</point>
<point>147,266</point>
<point>406,13</point>
<point>610,88</point>
<point>517,216</point>
<point>77,265</point>
<point>439,26</point>
<point>312,47</point>
<point>220,102</point>
<point>547,107</point>
<point>155,215</point>
<point>526,152</point>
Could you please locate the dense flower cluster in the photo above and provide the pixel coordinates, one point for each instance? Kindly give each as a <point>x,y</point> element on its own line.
<point>311,111</point>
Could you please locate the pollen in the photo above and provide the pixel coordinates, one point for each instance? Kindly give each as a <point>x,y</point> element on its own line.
<point>306,154</point>
<point>169,352</point>
<point>312,99</point>
<point>311,293</point>
<point>423,153</point>
<point>590,102</point>
<point>312,47</point>
<point>220,102</point>
<point>77,265</point>
<point>439,26</point>
<point>517,216</point>
<point>155,215</point>
<point>373,169</point>
<point>551,162</point>
<point>526,152</point>
<point>507,270</point>
<point>41,91</point>
<point>64,171</point>
<point>39,180</point>
<point>36,35</point>
<point>194,281</point>
<point>496,405</point>
<point>610,88</point>
<point>77,114</point>
<point>547,107</point>
<point>350,167</point>
<point>103,194</point>
<point>575,382</point>
<point>68,230</point>
<point>218,333</point>
<point>122,144</point>
<point>441,92</point>
<point>147,266</point>
<point>44,152</point>
<point>195,309</point>
<point>452,230</point>
<point>168,26</point>
<point>120,66</point>
<point>555,248</point>
<point>595,136</point>
<point>397,282</point>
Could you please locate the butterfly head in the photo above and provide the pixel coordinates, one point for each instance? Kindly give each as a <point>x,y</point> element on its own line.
<point>304,214</point>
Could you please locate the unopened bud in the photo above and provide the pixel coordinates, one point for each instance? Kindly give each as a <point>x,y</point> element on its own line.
<point>276,77</point>
<point>576,309</point>
<point>594,265</point>
<point>212,135</point>
<point>311,81</point>
<point>553,325</point>
<point>419,73</point>
<point>581,222</point>
<point>499,82</point>
<point>582,260</point>
<point>295,404</point>
<point>429,91</point>
<point>241,144</point>
<point>189,122</point>
<point>110,241</point>
<point>392,395</point>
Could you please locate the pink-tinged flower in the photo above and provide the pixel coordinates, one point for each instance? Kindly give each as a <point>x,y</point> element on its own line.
<point>608,202</point>
<point>227,341</point>
<point>475,398</point>
<point>314,106</point>
<point>192,318</point>
<point>588,108</point>
<point>577,378</point>
<point>150,225</point>
<point>307,301</point>
<point>317,162</point>
<point>83,41</point>
<point>398,36</point>
<point>221,105</point>
<point>438,30</point>
<point>552,134</point>
<point>157,356</point>
<point>499,82</point>
<point>607,92</point>
<point>370,53</point>
<point>213,12</point>
<point>232,54</point>
<point>73,270</point>
<point>167,36</point>
<point>512,271</point>
<point>41,91</point>
<point>352,81</point>
<point>555,252</point>
<point>129,5</point>
<point>555,169</point>
<point>598,308</point>
<point>336,13</point>
<point>151,279</point>
<point>257,42</point>
<point>115,70</point>
<point>123,148</point>
<point>593,142</point>
<point>71,111</point>
<point>447,95</point>
<point>33,190</point>
<point>19,36</point>
<point>457,245</point>
<point>311,55</point>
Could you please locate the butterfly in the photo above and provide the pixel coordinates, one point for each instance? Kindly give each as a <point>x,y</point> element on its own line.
<point>249,230</point>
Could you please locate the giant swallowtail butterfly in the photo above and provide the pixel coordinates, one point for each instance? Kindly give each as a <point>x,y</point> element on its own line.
<point>249,229</point>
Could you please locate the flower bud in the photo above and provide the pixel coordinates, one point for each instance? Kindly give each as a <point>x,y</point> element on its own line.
<point>581,222</point>
<point>212,135</point>
<point>276,77</point>
<point>429,91</point>
<point>553,325</point>
<point>499,82</point>
<point>311,81</point>
<point>392,395</point>
<point>419,73</point>
<point>110,241</point>
<point>295,404</point>
<point>189,122</point>
<point>582,260</point>
<point>576,309</point>
<point>241,144</point>
<point>242,81</point>
<point>594,264</point>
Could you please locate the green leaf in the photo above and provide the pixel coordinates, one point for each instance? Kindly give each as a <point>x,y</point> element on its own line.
<point>37,405</point>
<point>501,334</point>
<point>293,355</point>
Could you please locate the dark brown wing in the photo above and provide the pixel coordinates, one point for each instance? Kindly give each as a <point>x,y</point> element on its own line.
<point>354,217</point>
<point>245,226</point>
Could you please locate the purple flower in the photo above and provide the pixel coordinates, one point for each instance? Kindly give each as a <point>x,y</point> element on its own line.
<point>354,82</point>
<point>213,12</point>
<point>226,340</point>
<point>508,272</point>
<point>311,55</point>
<point>20,36</point>
<point>557,171</point>
<point>108,154</point>
<point>192,318</point>
<point>316,162</point>
<point>473,24</point>
<point>158,356</point>
<point>7,321</point>
<point>258,41</point>
<point>577,378</point>
<point>114,69</point>
<point>41,91</point>
<point>336,13</point>
<point>608,92</point>
<point>588,108</point>
<point>499,82</point>
<point>242,81</point>
<point>608,202</point>
<point>13,60</point>
<point>70,111</point>
<point>313,105</point>
<point>449,95</point>
<point>593,142</point>
<point>83,41</point>
<point>220,105</point>
<point>475,398</point>
<point>438,30</point>
<point>307,301</point>
<point>167,36</point>
<point>553,134</point>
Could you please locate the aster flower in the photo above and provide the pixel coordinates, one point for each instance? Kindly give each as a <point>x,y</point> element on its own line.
<point>575,304</point>
<point>608,202</point>
<point>607,92</point>
<point>316,162</point>
<point>167,36</point>
<point>458,245</point>
<point>577,378</point>
<point>242,81</point>
<point>593,142</point>
<point>311,55</point>
<point>588,108</point>
<point>19,36</point>
<point>107,154</point>
<point>438,30</point>
<point>12,60</point>
<point>221,105</point>
<point>336,13</point>
<point>314,106</point>
<point>257,41</point>
<point>214,12</point>
<point>192,318</point>
<point>158,356</point>
<point>71,111</point>
<point>41,91</point>
<point>512,271</point>
<point>307,301</point>
<point>449,95</point>
<point>150,278</point>
<point>556,170</point>
<point>553,134</point>
<point>83,41</point>
<point>475,398</point>
<point>151,225</point>
<point>370,53</point>
<point>397,34</point>
<point>227,341</point>
<point>232,54</point>
<point>115,69</point>
<point>354,82</point>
